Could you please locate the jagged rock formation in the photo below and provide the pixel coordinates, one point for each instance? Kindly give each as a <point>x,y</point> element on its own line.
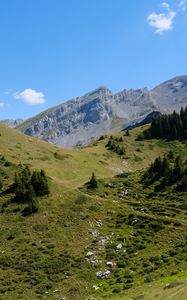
<point>76,122</point>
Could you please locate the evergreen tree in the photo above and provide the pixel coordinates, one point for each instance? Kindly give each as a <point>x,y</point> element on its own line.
<point>172,126</point>
<point>33,206</point>
<point>127,133</point>
<point>121,151</point>
<point>93,182</point>
<point>40,183</point>
<point>109,143</point>
<point>27,186</point>
<point>20,188</point>
<point>178,169</point>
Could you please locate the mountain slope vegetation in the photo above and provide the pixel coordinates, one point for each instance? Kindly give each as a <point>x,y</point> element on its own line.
<point>115,239</point>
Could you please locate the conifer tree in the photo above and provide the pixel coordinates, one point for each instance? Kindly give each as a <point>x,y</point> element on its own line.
<point>93,182</point>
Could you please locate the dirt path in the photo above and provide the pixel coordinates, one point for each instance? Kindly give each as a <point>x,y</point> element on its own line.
<point>176,293</point>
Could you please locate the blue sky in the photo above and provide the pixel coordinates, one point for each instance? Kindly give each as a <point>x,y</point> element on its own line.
<point>54,50</point>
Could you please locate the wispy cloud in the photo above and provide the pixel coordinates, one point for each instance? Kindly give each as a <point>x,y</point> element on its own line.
<point>183,5</point>
<point>30,96</point>
<point>165,5</point>
<point>2,104</point>
<point>162,22</point>
<point>8,92</point>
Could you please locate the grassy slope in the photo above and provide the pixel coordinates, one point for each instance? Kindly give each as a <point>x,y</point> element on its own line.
<point>33,249</point>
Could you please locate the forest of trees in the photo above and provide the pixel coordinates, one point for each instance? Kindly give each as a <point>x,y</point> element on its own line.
<point>168,126</point>
<point>28,186</point>
<point>168,170</point>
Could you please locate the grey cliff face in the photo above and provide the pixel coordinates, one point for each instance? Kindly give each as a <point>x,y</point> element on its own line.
<point>76,122</point>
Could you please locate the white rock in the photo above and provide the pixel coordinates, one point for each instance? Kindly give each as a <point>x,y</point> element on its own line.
<point>109,264</point>
<point>104,240</point>
<point>119,247</point>
<point>98,223</point>
<point>89,254</point>
<point>95,287</point>
<point>103,275</point>
<point>95,233</point>
<point>107,274</point>
<point>134,222</point>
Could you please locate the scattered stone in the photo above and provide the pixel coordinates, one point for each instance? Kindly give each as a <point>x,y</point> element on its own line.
<point>103,275</point>
<point>104,240</point>
<point>95,287</point>
<point>112,185</point>
<point>119,247</point>
<point>89,254</point>
<point>133,222</point>
<point>95,233</point>
<point>95,260</point>
<point>109,264</point>
<point>98,223</point>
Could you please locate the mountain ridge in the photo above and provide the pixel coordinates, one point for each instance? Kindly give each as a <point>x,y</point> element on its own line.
<point>77,121</point>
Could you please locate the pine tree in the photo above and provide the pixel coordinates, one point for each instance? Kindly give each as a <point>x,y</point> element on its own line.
<point>127,133</point>
<point>178,169</point>
<point>93,182</point>
<point>20,188</point>
<point>40,183</point>
<point>174,134</point>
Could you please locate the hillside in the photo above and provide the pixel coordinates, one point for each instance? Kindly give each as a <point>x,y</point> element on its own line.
<point>125,229</point>
<point>76,122</point>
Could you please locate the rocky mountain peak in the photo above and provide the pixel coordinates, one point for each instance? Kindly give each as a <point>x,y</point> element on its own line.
<point>99,92</point>
<point>100,111</point>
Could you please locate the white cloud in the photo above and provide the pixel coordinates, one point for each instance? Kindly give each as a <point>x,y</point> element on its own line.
<point>30,96</point>
<point>2,104</point>
<point>165,5</point>
<point>183,5</point>
<point>162,21</point>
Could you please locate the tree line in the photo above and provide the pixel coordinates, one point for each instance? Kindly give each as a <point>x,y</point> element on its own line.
<point>168,126</point>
